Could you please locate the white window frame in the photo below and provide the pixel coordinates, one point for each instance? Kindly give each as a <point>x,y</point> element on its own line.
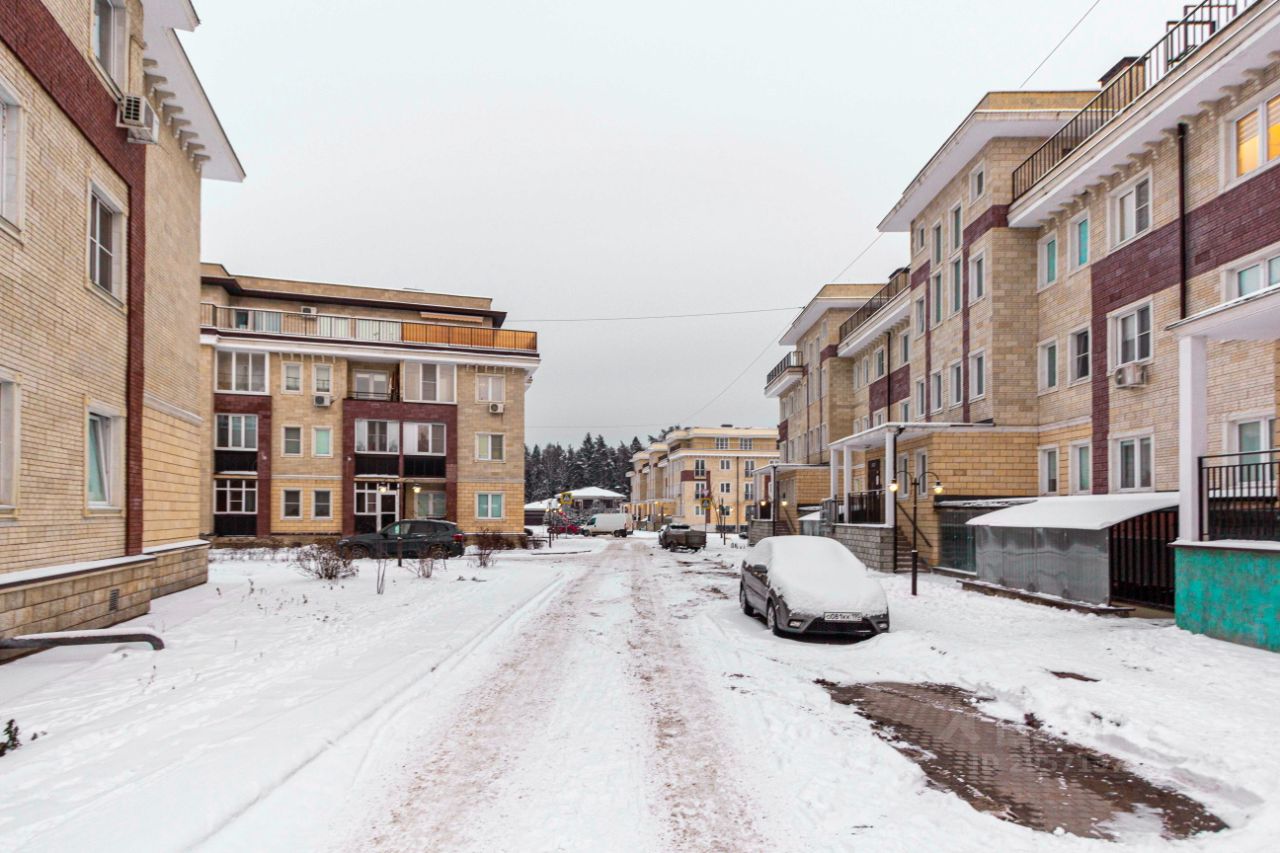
<point>284,440</point>
<point>1115,322</point>
<point>1074,468</point>
<point>935,383</point>
<point>1267,260</point>
<point>315,515</point>
<point>937,251</point>
<point>1043,281</point>
<point>115,65</point>
<point>1043,384</point>
<point>12,157</point>
<point>881,361</point>
<point>1117,444</point>
<point>1116,206</point>
<point>955,223</point>
<point>112,455</point>
<point>315,431</point>
<point>10,439</point>
<point>722,443</point>
<point>726,465</point>
<point>955,270</point>
<point>284,505</point>
<point>411,438</point>
<point>726,488</point>
<point>235,356</point>
<point>904,411</point>
<point>1230,154</point>
<point>746,443</point>
<point>285,367</point>
<point>491,388</point>
<point>955,372</point>
<point>316,371</point>
<point>977,182</point>
<point>484,447</point>
<point>904,348</point>
<point>921,398</point>
<point>487,498</point>
<point>369,373</point>
<point>1074,376</point>
<point>362,436</point>
<point>1049,476</point>
<point>978,369</point>
<point>978,282</point>
<point>921,318</point>
<point>99,196</point>
<point>1073,242</point>
<point>244,432</point>
<point>243,486</point>
<point>937,294</point>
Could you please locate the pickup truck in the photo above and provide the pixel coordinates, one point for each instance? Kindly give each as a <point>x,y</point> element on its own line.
<point>682,536</point>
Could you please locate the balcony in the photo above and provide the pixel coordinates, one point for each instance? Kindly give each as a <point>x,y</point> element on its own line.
<point>875,309</point>
<point>328,327</point>
<point>235,460</point>
<point>424,466</point>
<point>1181,40</point>
<point>377,464</point>
<point>784,374</point>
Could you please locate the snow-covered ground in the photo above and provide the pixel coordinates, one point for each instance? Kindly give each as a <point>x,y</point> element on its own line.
<point>604,696</point>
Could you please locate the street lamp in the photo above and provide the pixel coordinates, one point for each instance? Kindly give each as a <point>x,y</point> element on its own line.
<point>917,486</point>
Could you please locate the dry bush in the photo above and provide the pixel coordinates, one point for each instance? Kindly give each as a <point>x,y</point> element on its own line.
<point>487,542</point>
<point>324,562</point>
<point>424,566</point>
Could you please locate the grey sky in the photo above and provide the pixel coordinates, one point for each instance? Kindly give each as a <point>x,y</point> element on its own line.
<point>580,159</point>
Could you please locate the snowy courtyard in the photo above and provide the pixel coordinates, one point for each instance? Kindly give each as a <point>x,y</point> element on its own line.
<point>603,695</point>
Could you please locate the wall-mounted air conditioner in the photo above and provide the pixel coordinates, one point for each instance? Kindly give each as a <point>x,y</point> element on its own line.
<point>1130,375</point>
<point>497,408</point>
<point>136,115</point>
<point>322,401</point>
<point>309,309</point>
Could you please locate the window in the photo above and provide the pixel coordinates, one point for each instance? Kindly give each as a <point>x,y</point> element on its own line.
<point>1080,355</point>
<point>722,444</point>
<point>424,439</point>
<point>1133,464</point>
<point>1131,209</point>
<point>1251,147</point>
<point>748,491</point>
<point>372,385</point>
<point>291,503</point>
<point>1080,242</point>
<point>937,298</point>
<point>904,411</point>
<point>292,373</point>
<point>921,401</point>
<point>235,497</point>
<point>977,183</point>
<point>726,465</point>
<point>935,391</point>
<point>880,363</point>
<point>8,442</point>
<point>904,348</point>
<point>102,437</point>
<point>957,228</point>
<point>430,503</point>
<point>366,499</point>
<point>431,383</point>
<point>700,490</point>
<point>322,441</point>
<point>1081,468</point>
<point>1048,365</point>
<point>1252,438</point>
<point>748,468</point>
<point>920,316</point>
<point>1133,335</point>
<point>490,447</point>
<point>878,420</point>
<point>1049,471</point>
<point>957,384</point>
<point>977,277</point>
<point>1048,267</point>
<point>242,372</point>
<point>322,378</point>
<point>109,44</point>
<point>489,505</point>
<point>1256,276</point>
<point>726,488</point>
<point>106,244</point>
<point>322,504</point>
<point>745,443</point>
<point>10,153</point>
<point>957,285</point>
<point>977,375</point>
<point>377,436</point>
<point>236,432</point>
<point>920,238</point>
<point>490,388</point>
<point>700,467</point>
<point>292,445</point>
<point>937,243</point>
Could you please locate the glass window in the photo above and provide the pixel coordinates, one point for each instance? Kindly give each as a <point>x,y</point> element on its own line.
<point>235,497</point>
<point>322,503</point>
<point>745,443</point>
<point>1273,128</point>
<point>722,444</point>
<point>424,439</point>
<point>108,31</point>
<point>377,436</point>
<point>1048,365</point>
<point>1135,464</point>
<point>292,377</point>
<point>1133,211</point>
<point>957,228</point>
<point>489,505</point>
<point>1049,471</point>
<point>880,363</point>
<point>957,285</point>
<point>1080,355</point>
<point>292,441</point>
<point>921,402</point>
<point>8,442</point>
<point>322,441</point>
<point>437,383</point>
<point>429,503</point>
<point>242,372</point>
<point>322,376</point>
<point>489,388</point>
<point>1248,144</point>
<point>978,277</point>
<point>937,244</point>
<point>935,392</point>
<point>977,375</point>
<point>372,385</point>
<point>920,316</point>
<point>103,254</point>
<point>957,384</point>
<point>291,503</point>
<point>237,432</point>
<point>1081,236</point>
<point>726,465</point>
<point>977,183</point>
<point>937,298</point>
<point>1049,261</point>
<point>490,447</point>
<point>10,141</point>
<point>99,462</point>
<point>1082,461</point>
<point>904,346</point>
<point>1134,335</point>
<point>1257,276</point>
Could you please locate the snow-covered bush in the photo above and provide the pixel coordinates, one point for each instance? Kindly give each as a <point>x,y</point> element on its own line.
<point>324,562</point>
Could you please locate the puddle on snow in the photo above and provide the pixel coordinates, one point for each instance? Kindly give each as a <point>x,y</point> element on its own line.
<point>1020,774</point>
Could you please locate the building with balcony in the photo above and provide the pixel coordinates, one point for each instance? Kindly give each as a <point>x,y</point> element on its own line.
<point>1055,238</point>
<point>105,138</point>
<point>336,409</point>
<point>700,475</point>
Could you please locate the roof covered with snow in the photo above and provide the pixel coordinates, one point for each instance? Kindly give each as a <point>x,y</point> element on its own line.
<point>1078,512</point>
<point>590,493</point>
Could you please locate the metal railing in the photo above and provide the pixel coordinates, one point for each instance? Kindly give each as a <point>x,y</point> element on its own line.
<point>1141,560</point>
<point>883,297</point>
<point>1238,494</point>
<point>1182,39</point>
<point>855,508</point>
<point>336,327</point>
<point>790,360</point>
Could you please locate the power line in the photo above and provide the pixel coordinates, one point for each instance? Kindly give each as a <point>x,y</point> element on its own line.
<point>658,316</point>
<point>772,343</point>
<point>1061,42</point>
<point>874,240</point>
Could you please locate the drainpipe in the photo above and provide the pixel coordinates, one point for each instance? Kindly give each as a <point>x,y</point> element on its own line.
<point>1183,295</point>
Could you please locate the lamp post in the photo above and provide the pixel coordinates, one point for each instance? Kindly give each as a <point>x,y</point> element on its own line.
<point>917,485</point>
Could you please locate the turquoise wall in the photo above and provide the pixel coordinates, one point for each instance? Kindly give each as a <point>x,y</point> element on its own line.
<point>1229,594</point>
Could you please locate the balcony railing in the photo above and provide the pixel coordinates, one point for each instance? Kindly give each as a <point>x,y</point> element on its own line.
<point>1238,491</point>
<point>883,297</point>
<point>855,508</point>
<point>339,328</point>
<point>790,360</point>
<point>1182,39</point>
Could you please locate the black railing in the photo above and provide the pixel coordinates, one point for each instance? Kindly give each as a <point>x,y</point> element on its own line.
<point>384,464</point>
<point>1141,560</point>
<point>228,461</point>
<point>1183,38</point>
<point>235,525</point>
<point>1238,496</point>
<point>392,396</point>
<point>859,508</point>
<point>424,466</point>
<point>790,360</point>
<point>883,297</point>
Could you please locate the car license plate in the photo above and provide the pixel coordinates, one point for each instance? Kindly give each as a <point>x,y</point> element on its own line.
<point>842,617</point>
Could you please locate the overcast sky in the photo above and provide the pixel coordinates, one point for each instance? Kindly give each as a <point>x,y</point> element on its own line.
<point>593,159</point>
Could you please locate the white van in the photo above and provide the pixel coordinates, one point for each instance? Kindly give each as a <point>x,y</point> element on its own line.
<point>602,523</point>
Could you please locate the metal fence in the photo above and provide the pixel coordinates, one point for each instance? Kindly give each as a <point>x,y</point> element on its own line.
<point>1238,491</point>
<point>1141,559</point>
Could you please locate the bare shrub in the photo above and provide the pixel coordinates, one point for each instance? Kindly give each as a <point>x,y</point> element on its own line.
<point>324,562</point>
<point>424,566</point>
<point>487,542</point>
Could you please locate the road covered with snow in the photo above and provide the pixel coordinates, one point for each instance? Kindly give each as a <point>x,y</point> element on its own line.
<point>604,696</point>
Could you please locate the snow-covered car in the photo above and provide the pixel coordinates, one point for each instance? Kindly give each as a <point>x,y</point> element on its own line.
<point>811,585</point>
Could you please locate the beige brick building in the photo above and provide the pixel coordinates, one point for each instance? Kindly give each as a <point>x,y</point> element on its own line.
<point>105,137</point>
<point>671,479</point>
<point>336,409</point>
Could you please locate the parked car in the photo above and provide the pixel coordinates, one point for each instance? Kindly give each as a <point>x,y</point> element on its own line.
<point>412,538</point>
<point>611,523</point>
<point>811,585</point>
<point>565,528</point>
<point>682,536</point>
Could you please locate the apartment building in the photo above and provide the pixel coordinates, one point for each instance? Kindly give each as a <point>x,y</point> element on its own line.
<point>335,409</point>
<point>1055,237</point>
<point>672,479</point>
<point>105,138</point>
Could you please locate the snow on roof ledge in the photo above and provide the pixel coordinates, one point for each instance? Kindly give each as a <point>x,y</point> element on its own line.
<point>1078,512</point>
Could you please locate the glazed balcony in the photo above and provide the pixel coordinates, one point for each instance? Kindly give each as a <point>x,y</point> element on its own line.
<point>784,374</point>
<point>331,327</point>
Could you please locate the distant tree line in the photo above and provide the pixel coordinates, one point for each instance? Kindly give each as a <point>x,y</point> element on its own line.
<point>550,469</point>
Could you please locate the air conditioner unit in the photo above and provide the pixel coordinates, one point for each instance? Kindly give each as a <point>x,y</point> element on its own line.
<point>497,408</point>
<point>322,401</point>
<point>1130,375</point>
<point>137,116</point>
<point>309,309</point>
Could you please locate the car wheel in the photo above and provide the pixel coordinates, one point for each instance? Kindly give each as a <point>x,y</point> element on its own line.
<point>742,600</point>
<point>771,619</point>
<point>358,552</point>
<point>438,552</point>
